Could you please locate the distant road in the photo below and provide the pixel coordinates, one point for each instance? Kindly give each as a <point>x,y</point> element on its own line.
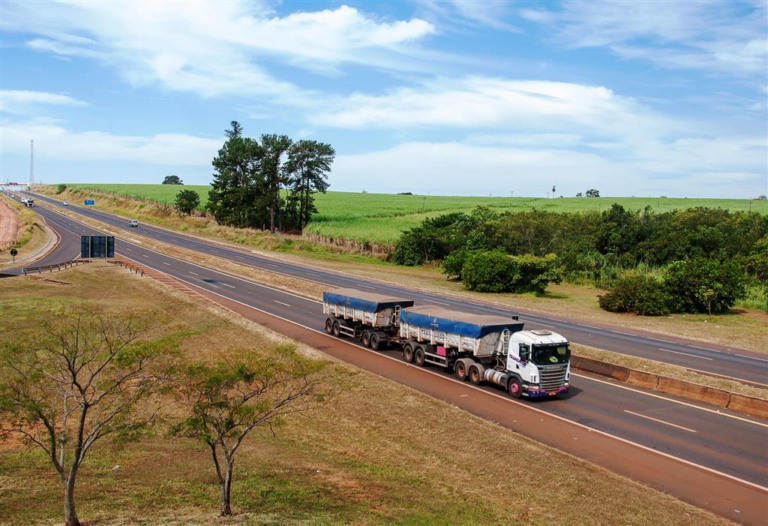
<point>715,459</point>
<point>729,362</point>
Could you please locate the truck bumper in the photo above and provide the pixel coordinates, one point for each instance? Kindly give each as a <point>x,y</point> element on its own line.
<point>535,392</point>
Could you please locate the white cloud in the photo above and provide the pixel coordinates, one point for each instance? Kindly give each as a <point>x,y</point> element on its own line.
<point>686,168</point>
<point>53,141</point>
<point>724,36</point>
<point>489,13</point>
<point>524,106</point>
<point>21,101</point>
<point>213,48</point>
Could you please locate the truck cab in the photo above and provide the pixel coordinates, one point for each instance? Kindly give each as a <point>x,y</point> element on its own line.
<point>540,361</point>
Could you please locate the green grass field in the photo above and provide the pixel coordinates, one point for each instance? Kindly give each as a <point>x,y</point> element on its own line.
<point>381,218</point>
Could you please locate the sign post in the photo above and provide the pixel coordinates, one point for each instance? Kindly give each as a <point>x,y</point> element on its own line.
<point>13,254</point>
<point>97,247</point>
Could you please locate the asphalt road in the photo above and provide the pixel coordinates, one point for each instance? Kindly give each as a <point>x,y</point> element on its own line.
<point>726,453</point>
<point>728,362</point>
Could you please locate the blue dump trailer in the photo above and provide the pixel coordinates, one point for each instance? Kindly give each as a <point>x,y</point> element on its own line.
<point>478,348</point>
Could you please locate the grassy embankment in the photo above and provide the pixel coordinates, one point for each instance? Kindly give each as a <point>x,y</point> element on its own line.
<point>31,236</point>
<point>744,328</point>
<point>375,453</point>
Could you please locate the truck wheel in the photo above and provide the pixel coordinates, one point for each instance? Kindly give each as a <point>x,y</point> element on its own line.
<point>329,326</point>
<point>419,356</point>
<point>408,353</point>
<point>337,329</point>
<point>514,388</point>
<point>366,339</point>
<point>461,371</point>
<point>376,341</point>
<point>474,375</point>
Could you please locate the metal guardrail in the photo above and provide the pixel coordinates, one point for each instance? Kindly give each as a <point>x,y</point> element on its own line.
<point>56,266</point>
<point>129,266</point>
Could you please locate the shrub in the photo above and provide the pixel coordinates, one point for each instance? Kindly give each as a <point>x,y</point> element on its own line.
<point>705,285</point>
<point>492,271</point>
<point>495,271</point>
<point>639,292</point>
<point>61,188</point>
<point>453,263</point>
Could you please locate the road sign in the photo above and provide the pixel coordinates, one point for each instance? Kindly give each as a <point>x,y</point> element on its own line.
<point>89,202</point>
<point>97,246</point>
<point>13,254</point>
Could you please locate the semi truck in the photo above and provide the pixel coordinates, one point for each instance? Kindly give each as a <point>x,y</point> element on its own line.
<point>476,347</point>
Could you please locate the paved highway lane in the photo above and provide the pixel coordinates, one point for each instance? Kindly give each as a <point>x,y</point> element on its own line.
<point>720,441</point>
<point>708,358</point>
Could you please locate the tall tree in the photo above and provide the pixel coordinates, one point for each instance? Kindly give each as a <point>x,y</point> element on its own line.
<point>83,378</point>
<point>308,165</point>
<point>274,149</point>
<point>237,182</point>
<point>228,400</point>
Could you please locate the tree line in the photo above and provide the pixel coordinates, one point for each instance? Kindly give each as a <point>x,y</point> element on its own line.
<point>268,182</point>
<point>731,248</point>
<point>87,377</point>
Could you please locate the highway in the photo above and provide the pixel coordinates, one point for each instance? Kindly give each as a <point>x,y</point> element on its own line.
<point>715,459</point>
<point>728,362</point>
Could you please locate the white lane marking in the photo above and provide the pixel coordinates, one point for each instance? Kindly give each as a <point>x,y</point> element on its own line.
<point>166,263</point>
<point>660,421</point>
<point>511,401</point>
<point>128,249</point>
<point>228,285</point>
<point>281,303</point>
<point>440,302</point>
<point>679,402</point>
<point>687,354</point>
<point>194,273</point>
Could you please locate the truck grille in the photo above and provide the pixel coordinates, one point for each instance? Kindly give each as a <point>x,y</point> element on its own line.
<point>552,377</point>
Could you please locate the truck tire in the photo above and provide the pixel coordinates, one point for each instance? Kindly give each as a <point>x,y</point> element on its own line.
<point>408,352</point>
<point>461,370</point>
<point>376,338</point>
<point>419,356</point>
<point>514,388</point>
<point>475,376</point>
<point>337,329</point>
<point>366,338</point>
<point>329,326</point>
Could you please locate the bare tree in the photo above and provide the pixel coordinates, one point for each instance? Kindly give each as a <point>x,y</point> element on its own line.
<point>228,400</point>
<point>83,378</point>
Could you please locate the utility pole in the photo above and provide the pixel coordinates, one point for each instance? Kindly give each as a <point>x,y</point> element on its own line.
<point>31,162</point>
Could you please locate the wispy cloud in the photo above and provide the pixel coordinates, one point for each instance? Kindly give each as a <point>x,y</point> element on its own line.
<point>22,101</point>
<point>726,36</point>
<point>489,13</point>
<point>55,141</point>
<point>214,48</point>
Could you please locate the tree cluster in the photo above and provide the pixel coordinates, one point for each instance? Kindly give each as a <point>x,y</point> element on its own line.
<point>88,377</point>
<point>600,246</point>
<point>269,182</point>
<point>186,201</point>
<point>172,179</point>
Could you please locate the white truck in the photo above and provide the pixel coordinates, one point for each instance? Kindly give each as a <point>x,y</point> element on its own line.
<point>478,348</point>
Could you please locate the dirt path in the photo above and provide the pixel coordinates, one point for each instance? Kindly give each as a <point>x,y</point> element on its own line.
<point>9,225</point>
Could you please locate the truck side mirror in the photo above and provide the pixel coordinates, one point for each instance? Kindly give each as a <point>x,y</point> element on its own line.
<point>525,353</point>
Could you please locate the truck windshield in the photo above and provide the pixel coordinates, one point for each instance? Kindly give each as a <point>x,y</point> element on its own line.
<point>549,354</point>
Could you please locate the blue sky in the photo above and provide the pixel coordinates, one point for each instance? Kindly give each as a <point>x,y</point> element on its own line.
<point>459,97</point>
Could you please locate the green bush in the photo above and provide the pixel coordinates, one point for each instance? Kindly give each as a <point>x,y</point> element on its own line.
<point>639,292</point>
<point>492,271</point>
<point>61,188</point>
<point>453,264</point>
<point>495,271</point>
<point>705,285</point>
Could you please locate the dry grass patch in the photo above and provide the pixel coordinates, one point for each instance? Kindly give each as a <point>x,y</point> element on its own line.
<point>375,453</point>
<point>31,237</point>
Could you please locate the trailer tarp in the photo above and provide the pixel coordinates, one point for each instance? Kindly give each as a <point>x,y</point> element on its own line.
<point>366,301</point>
<point>456,322</point>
